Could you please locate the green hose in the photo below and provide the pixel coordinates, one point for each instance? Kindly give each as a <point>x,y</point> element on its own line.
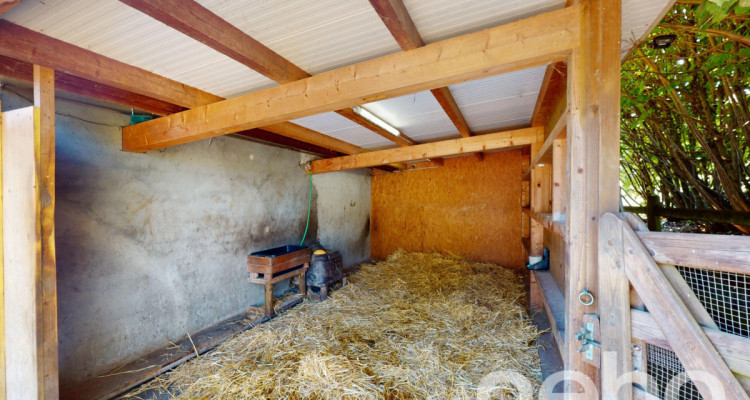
<point>309,206</point>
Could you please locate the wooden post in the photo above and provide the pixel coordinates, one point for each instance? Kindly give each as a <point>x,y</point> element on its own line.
<point>559,164</point>
<point>593,172</point>
<point>540,197</point>
<point>21,254</point>
<point>653,219</point>
<point>269,299</point>
<point>44,100</point>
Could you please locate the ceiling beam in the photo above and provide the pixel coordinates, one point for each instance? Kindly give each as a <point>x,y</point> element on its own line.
<point>269,137</point>
<point>6,5</point>
<point>396,18</point>
<point>26,45</point>
<point>200,23</point>
<point>523,44</point>
<point>72,84</point>
<point>492,141</point>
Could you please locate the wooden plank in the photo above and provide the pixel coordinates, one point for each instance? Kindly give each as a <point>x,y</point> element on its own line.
<point>551,92</point>
<point>306,135</point>
<point>735,350</point>
<point>726,253</point>
<point>593,145</point>
<point>615,308</point>
<point>493,141</point>
<point>559,163</point>
<point>687,338</point>
<point>44,100</point>
<point>696,308</point>
<point>22,255</point>
<point>518,45</point>
<point>6,5</point>
<point>26,45</point>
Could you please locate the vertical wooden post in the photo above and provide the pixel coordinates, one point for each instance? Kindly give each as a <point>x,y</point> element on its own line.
<point>593,173</point>
<point>44,100</point>
<point>540,196</point>
<point>653,219</point>
<point>558,179</point>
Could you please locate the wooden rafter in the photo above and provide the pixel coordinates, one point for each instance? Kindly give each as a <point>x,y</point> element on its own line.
<point>396,18</point>
<point>549,37</point>
<point>492,141</point>
<point>6,5</point>
<point>72,84</point>
<point>198,22</point>
<point>90,74</point>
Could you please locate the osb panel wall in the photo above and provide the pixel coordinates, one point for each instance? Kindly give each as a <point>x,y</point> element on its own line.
<point>467,207</point>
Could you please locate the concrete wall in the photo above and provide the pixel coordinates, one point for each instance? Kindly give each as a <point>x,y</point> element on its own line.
<point>152,246</point>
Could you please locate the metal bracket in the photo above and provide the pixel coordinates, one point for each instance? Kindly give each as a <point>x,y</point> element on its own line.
<point>587,336</point>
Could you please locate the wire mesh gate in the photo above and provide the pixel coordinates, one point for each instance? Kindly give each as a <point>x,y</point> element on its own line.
<point>698,315</point>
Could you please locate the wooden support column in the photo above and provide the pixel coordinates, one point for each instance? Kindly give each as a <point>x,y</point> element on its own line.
<point>44,100</point>
<point>559,164</point>
<point>593,173</point>
<point>541,195</point>
<point>2,271</point>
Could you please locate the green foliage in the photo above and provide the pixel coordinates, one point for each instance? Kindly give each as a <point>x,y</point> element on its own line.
<point>685,118</point>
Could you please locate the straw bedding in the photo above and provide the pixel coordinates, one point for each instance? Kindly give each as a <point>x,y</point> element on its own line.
<point>416,326</point>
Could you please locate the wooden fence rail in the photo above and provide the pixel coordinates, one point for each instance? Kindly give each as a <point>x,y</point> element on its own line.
<point>654,211</point>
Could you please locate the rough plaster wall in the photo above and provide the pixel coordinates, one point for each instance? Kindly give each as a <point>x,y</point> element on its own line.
<point>152,246</point>
<point>346,210</point>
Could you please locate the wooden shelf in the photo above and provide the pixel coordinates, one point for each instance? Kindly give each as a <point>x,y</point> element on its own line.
<point>557,227</point>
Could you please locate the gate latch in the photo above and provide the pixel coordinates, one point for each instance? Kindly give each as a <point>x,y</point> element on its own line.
<point>587,337</point>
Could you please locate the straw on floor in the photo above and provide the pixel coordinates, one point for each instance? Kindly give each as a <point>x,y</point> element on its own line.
<point>416,326</point>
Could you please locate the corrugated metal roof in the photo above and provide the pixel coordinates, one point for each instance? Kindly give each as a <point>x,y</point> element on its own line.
<point>318,36</point>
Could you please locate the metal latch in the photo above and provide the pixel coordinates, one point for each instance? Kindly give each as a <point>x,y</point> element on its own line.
<point>587,337</point>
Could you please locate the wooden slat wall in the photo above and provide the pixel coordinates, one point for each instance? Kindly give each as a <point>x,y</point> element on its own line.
<point>467,207</point>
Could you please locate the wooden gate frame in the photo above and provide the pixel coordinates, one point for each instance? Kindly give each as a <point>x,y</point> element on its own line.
<point>631,255</point>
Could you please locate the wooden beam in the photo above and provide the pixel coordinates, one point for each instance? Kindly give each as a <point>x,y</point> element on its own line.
<point>6,5</point>
<point>261,135</point>
<point>444,148</point>
<point>198,22</point>
<point>299,132</point>
<point>25,71</point>
<point>44,100</point>
<point>687,338</point>
<point>552,90</point>
<point>593,144</point>
<point>26,45</point>
<point>519,45</point>
<point>396,18</point>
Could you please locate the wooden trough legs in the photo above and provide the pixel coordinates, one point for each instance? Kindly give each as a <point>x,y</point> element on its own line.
<point>268,284</point>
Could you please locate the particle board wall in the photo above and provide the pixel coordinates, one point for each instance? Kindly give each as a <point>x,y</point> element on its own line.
<point>468,207</point>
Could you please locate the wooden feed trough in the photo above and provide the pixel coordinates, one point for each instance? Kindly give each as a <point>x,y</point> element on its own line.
<point>267,267</point>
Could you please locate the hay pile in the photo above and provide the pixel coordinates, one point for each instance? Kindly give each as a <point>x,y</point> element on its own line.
<point>416,326</point>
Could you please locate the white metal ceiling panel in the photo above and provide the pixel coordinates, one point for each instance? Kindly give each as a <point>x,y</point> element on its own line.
<point>317,36</point>
<point>639,17</point>
<point>341,128</point>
